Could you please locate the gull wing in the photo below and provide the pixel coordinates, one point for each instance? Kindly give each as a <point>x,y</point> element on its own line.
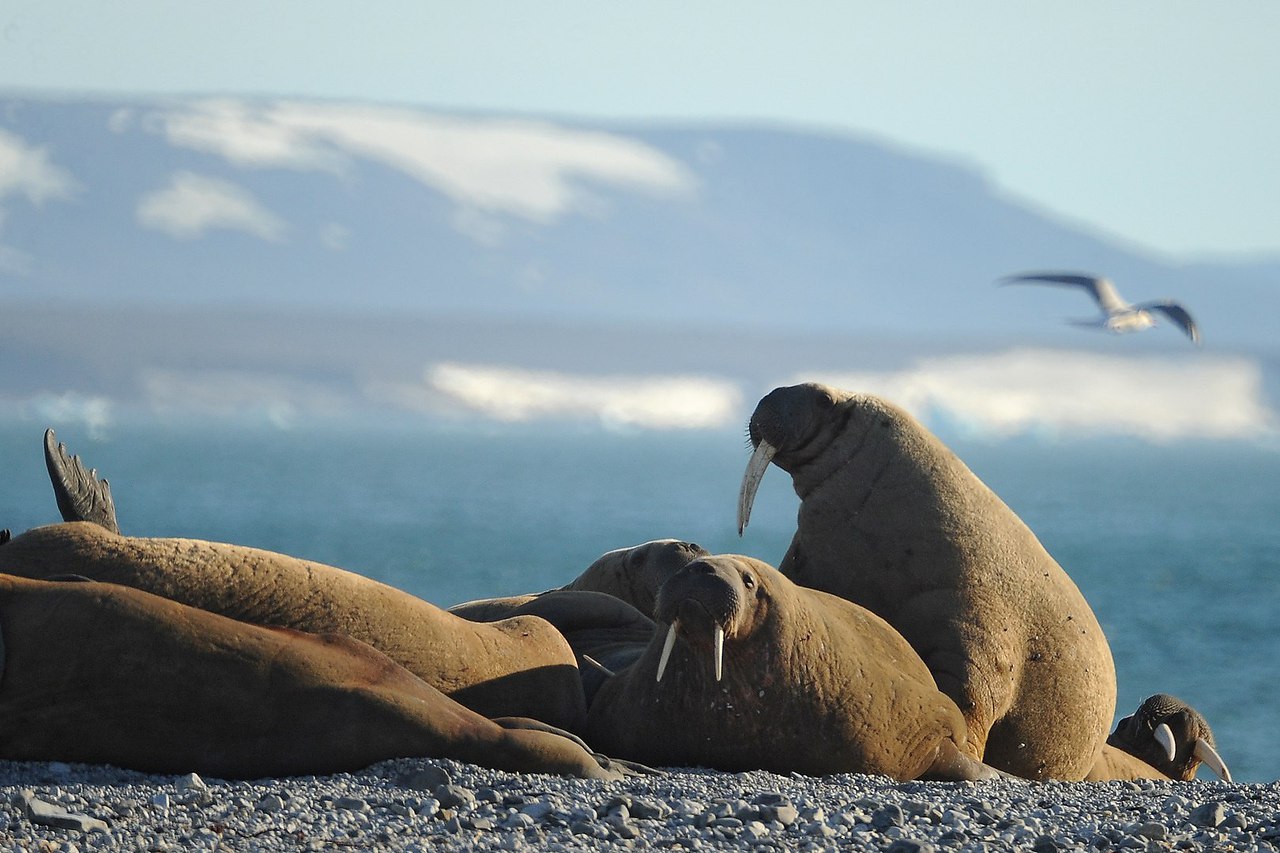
<point>1175,312</point>
<point>1101,289</point>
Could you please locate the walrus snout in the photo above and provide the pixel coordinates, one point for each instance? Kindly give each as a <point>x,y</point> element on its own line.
<point>785,415</point>
<point>706,596</point>
<point>715,591</point>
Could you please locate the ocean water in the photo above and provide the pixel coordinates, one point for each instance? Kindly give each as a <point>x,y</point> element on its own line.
<point>1176,546</point>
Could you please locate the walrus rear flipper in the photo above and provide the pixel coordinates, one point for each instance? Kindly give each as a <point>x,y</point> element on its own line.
<point>952,765</point>
<point>81,495</point>
<point>616,765</point>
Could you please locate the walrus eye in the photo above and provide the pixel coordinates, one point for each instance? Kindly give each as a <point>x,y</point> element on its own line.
<point>748,581</point>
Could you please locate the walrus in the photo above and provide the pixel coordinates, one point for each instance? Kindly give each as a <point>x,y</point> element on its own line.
<point>106,674</point>
<point>606,612</point>
<point>519,667</point>
<point>606,633</point>
<point>751,671</point>
<point>892,520</point>
<point>1164,739</point>
<point>631,574</point>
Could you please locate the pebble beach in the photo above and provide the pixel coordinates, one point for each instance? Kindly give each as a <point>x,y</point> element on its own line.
<point>420,804</point>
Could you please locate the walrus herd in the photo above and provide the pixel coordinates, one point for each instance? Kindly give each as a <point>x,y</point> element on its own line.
<point>915,628</point>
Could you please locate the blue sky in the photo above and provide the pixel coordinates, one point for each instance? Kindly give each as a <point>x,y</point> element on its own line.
<point>1155,121</point>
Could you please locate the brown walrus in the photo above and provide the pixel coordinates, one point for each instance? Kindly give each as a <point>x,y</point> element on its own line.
<point>752,671</point>
<point>1164,739</point>
<point>631,574</point>
<point>518,667</point>
<point>606,612</point>
<point>102,673</point>
<point>635,574</point>
<point>890,519</point>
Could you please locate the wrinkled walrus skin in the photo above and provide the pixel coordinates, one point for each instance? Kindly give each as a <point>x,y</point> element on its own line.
<point>105,674</point>
<point>811,683</point>
<point>890,519</point>
<point>520,667</point>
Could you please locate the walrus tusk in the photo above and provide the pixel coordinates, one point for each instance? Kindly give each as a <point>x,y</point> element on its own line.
<point>1164,736</point>
<point>589,659</point>
<point>1210,757</point>
<point>719,652</point>
<point>666,649</point>
<point>756,466</point>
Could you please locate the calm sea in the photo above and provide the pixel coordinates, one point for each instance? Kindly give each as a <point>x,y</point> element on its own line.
<point>1176,547</point>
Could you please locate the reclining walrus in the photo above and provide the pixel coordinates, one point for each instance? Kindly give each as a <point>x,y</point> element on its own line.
<point>1164,739</point>
<point>890,519</point>
<point>519,667</point>
<point>606,613</point>
<point>750,671</point>
<point>103,673</point>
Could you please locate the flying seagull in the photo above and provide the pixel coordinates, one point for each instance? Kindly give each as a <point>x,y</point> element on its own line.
<point>1117,315</point>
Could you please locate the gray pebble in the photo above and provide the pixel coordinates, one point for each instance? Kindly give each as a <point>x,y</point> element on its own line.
<point>1209,815</point>
<point>452,796</point>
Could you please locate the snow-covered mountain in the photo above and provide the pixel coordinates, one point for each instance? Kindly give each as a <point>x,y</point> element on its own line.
<point>219,237</point>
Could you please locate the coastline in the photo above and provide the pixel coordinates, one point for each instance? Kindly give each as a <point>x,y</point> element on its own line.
<point>428,804</point>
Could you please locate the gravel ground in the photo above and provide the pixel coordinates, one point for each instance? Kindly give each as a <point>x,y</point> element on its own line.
<point>416,804</point>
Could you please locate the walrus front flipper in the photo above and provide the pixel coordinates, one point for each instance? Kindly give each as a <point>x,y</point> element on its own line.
<point>81,495</point>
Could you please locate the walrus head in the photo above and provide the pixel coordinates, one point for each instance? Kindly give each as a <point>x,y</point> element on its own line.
<point>707,601</point>
<point>793,423</point>
<point>635,574</point>
<point>1171,736</point>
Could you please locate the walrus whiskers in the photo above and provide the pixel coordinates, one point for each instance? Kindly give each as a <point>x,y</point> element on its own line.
<point>756,466</point>
<point>666,649</point>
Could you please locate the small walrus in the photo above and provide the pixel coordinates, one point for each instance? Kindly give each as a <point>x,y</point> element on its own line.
<point>1164,739</point>
<point>751,671</point>
<point>519,667</point>
<point>890,519</point>
<point>606,613</point>
<point>106,674</point>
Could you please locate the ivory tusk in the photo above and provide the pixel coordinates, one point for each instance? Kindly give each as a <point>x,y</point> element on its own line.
<point>1164,736</point>
<point>756,466</point>
<point>666,649</point>
<point>719,652</point>
<point>1212,760</point>
<point>589,659</point>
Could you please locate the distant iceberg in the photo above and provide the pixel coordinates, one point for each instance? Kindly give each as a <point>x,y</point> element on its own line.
<point>655,402</point>
<point>1069,393</point>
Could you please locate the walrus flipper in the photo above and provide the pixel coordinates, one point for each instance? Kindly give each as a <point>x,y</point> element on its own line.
<point>81,495</point>
<point>617,765</point>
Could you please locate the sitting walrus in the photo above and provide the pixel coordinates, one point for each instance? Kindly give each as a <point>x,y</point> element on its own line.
<point>890,519</point>
<point>517,667</point>
<point>751,671</point>
<point>102,673</point>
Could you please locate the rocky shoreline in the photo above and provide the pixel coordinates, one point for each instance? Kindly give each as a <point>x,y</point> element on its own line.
<point>418,804</point>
